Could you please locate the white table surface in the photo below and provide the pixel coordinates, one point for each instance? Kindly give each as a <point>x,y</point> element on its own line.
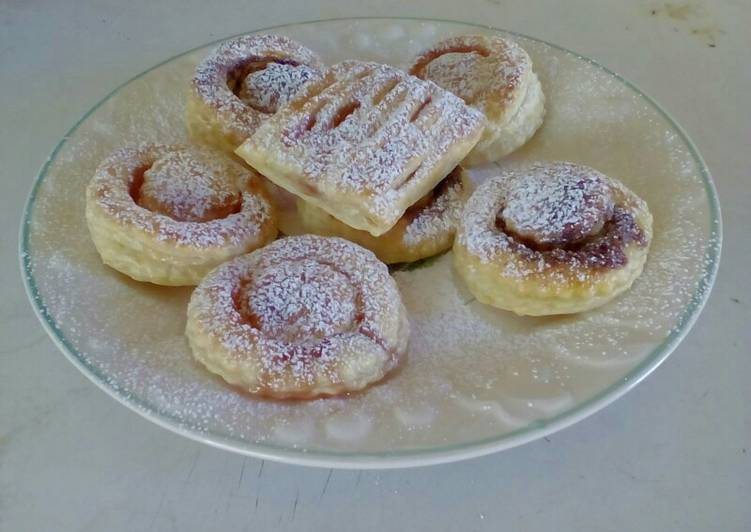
<point>674,454</point>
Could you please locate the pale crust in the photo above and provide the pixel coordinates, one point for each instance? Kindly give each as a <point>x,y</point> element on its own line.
<point>425,230</point>
<point>495,76</point>
<point>301,318</point>
<point>364,143</point>
<point>153,247</point>
<point>287,215</point>
<point>530,283</point>
<point>215,115</point>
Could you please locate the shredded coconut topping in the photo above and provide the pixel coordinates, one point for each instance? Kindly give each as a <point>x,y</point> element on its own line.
<point>269,89</point>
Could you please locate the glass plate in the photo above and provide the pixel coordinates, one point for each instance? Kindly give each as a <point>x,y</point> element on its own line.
<point>477,379</point>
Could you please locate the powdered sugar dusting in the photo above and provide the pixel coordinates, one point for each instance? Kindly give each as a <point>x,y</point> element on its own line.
<point>574,202</point>
<point>452,72</point>
<point>304,308</point>
<point>369,131</point>
<point>486,72</point>
<point>300,301</point>
<point>131,335</point>
<point>557,204</point>
<point>234,57</point>
<point>112,182</point>
<point>186,189</point>
<point>441,216</point>
<point>269,89</point>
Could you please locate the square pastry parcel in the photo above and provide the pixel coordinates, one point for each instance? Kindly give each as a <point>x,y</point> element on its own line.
<point>364,142</point>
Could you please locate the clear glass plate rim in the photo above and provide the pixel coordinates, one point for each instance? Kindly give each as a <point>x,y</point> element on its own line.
<point>405,457</point>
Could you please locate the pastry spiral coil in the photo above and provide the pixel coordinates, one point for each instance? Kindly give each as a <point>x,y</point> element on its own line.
<point>495,76</point>
<point>243,82</point>
<point>553,238</point>
<point>427,228</point>
<point>303,317</point>
<point>169,214</point>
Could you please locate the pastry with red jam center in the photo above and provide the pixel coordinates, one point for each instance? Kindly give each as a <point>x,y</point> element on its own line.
<point>553,238</point>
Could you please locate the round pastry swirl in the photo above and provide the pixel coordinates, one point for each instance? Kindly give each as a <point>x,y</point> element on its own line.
<point>269,89</point>
<point>244,81</point>
<point>554,238</point>
<point>494,75</point>
<point>427,228</point>
<point>169,214</point>
<point>303,317</point>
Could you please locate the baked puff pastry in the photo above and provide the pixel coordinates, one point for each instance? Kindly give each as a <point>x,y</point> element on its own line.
<point>364,143</point>
<point>243,82</point>
<point>426,229</point>
<point>169,214</point>
<point>303,317</point>
<point>495,76</point>
<point>554,238</point>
